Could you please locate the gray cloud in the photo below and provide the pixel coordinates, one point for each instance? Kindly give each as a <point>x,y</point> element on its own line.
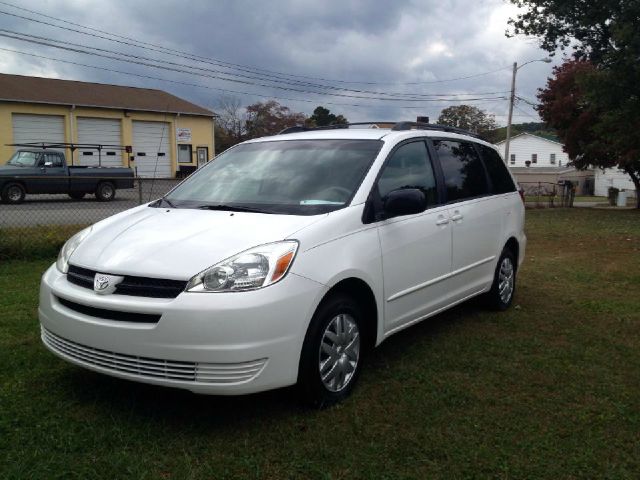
<point>356,40</point>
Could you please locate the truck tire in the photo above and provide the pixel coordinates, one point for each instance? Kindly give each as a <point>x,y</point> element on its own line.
<point>13,193</point>
<point>77,195</point>
<point>105,192</point>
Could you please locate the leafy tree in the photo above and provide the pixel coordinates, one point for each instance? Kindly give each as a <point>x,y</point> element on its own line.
<point>269,118</point>
<point>605,34</point>
<point>322,117</point>
<point>469,118</point>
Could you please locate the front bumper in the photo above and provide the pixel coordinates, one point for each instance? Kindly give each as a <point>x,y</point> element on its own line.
<point>215,343</point>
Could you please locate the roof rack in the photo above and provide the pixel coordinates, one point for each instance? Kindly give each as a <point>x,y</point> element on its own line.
<point>431,126</point>
<point>73,147</point>
<point>302,128</point>
<point>397,126</point>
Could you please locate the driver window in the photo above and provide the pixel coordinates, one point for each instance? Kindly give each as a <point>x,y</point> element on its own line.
<point>409,167</point>
<point>52,158</point>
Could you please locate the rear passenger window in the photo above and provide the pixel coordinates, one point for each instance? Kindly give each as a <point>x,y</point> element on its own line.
<point>501,181</point>
<point>464,175</point>
<point>409,167</point>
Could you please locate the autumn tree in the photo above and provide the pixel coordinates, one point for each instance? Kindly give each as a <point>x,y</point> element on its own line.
<point>469,118</point>
<point>322,117</point>
<point>605,34</point>
<point>268,118</point>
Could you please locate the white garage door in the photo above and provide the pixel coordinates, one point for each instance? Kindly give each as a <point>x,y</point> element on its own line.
<point>37,128</point>
<point>100,131</point>
<point>151,149</point>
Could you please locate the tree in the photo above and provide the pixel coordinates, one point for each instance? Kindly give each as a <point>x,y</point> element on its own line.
<point>229,123</point>
<point>469,118</point>
<point>269,118</point>
<point>603,33</point>
<point>322,117</point>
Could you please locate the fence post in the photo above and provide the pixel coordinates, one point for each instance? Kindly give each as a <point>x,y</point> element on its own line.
<point>139,191</point>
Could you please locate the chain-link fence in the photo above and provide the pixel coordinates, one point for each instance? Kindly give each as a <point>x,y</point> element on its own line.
<point>42,222</point>
<point>548,194</point>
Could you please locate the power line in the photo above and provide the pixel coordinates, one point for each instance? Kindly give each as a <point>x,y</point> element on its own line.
<point>297,83</point>
<point>210,87</point>
<point>145,62</point>
<point>230,65</point>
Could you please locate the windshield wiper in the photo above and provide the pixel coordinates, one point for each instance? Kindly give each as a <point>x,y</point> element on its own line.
<point>231,208</point>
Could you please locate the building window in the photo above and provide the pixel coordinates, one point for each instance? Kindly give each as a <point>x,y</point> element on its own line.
<point>552,158</point>
<point>513,159</point>
<point>534,158</point>
<point>184,154</point>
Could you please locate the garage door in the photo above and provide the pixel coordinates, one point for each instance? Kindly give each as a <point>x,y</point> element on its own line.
<point>100,131</point>
<point>37,128</point>
<point>151,149</point>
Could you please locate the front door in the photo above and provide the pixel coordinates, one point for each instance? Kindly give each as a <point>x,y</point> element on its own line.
<point>416,249</point>
<point>203,155</point>
<point>52,176</point>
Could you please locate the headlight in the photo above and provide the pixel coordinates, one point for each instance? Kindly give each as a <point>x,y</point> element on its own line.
<point>252,269</point>
<point>68,248</point>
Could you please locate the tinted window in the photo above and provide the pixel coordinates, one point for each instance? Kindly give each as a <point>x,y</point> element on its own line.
<point>497,170</point>
<point>464,175</point>
<point>409,167</point>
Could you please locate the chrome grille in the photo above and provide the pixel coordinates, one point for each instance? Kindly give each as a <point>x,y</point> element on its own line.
<point>134,286</point>
<point>153,368</point>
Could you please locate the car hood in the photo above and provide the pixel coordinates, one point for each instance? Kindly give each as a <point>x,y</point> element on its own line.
<point>178,243</point>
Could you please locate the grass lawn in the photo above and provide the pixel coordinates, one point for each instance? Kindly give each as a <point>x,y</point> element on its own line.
<point>549,389</point>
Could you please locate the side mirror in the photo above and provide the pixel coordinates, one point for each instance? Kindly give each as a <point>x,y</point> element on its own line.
<point>404,201</point>
<point>48,164</point>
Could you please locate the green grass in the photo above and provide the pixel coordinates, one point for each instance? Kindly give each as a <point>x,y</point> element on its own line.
<point>549,389</point>
<point>29,243</point>
<point>590,198</point>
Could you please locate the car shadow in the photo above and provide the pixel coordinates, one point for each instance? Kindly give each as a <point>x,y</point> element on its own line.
<point>125,398</point>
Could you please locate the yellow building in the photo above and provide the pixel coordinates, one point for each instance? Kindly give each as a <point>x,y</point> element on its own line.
<point>168,136</point>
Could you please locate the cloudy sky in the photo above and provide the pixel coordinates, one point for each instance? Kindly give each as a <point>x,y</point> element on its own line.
<point>365,59</point>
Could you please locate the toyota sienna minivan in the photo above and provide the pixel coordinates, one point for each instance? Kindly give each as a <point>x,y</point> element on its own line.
<point>286,259</point>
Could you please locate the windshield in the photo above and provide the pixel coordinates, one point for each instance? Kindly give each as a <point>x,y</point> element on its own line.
<point>301,177</point>
<point>24,159</point>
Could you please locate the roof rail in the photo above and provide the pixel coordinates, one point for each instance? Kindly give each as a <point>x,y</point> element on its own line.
<point>431,126</point>
<point>335,126</point>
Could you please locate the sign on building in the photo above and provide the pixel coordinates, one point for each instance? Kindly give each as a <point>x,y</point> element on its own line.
<point>183,134</point>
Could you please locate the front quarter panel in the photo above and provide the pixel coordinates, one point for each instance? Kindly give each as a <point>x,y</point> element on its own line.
<point>342,247</point>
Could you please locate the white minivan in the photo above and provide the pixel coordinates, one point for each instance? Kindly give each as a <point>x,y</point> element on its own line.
<point>286,259</point>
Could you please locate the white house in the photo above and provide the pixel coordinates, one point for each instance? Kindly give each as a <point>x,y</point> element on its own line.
<point>612,177</point>
<point>539,151</point>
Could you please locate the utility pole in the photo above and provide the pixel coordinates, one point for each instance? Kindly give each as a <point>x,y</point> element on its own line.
<point>511,100</point>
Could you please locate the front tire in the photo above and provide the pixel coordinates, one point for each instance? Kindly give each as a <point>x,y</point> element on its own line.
<point>13,193</point>
<point>503,288</point>
<point>105,192</point>
<point>331,357</point>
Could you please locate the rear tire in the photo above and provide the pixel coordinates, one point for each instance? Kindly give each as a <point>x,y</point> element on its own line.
<point>503,288</point>
<point>13,193</point>
<point>331,357</point>
<point>77,195</point>
<point>105,192</point>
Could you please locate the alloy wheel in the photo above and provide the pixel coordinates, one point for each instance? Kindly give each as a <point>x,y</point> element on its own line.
<point>339,352</point>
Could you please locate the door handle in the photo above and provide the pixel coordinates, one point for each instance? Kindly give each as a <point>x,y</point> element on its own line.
<point>442,221</point>
<point>457,217</point>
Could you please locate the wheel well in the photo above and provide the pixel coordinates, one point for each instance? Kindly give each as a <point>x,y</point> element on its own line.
<point>360,291</point>
<point>13,182</point>
<point>513,245</point>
